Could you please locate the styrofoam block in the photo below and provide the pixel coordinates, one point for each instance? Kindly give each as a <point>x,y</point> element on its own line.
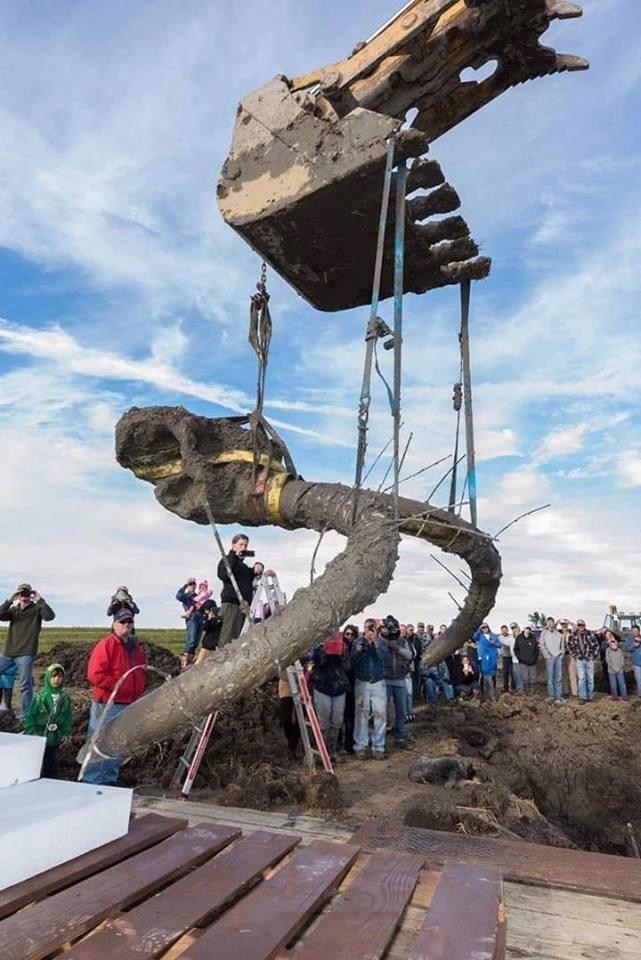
<point>48,822</point>
<point>20,758</point>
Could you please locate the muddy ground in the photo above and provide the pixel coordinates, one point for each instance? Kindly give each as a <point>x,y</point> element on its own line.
<point>565,775</point>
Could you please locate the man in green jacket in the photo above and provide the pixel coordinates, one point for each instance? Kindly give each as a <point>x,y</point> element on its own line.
<point>24,611</point>
<point>50,716</point>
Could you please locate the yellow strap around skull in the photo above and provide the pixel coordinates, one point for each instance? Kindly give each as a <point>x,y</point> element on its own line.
<point>173,468</point>
<point>273,493</point>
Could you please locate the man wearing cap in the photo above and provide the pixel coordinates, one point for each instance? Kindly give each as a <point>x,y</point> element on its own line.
<point>24,610</point>
<point>111,673</point>
<point>584,649</point>
<point>194,622</point>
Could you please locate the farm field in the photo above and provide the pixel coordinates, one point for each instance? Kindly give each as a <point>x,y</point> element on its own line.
<point>171,639</point>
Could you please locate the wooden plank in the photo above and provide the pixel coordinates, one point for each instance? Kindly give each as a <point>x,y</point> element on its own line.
<point>41,928</point>
<point>309,828</point>
<point>555,904</point>
<point>268,917</point>
<point>362,920</point>
<point>144,832</point>
<point>466,919</point>
<point>521,862</point>
<point>153,926</point>
<point>559,938</point>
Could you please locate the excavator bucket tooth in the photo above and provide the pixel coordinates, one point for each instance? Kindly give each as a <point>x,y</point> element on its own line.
<point>305,192</point>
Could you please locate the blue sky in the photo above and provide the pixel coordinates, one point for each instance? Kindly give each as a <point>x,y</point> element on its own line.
<point>121,285</point>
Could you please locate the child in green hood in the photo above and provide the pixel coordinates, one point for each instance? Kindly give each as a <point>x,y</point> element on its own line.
<point>50,716</point>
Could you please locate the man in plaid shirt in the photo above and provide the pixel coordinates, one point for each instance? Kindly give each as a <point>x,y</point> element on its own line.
<point>584,649</point>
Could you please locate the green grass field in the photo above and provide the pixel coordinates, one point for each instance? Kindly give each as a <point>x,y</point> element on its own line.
<point>172,639</point>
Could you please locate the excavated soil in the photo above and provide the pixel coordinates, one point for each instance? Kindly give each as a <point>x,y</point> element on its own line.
<point>563,775</point>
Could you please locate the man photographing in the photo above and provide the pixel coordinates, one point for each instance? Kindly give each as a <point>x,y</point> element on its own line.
<point>231,610</point>
<point>24,610</point>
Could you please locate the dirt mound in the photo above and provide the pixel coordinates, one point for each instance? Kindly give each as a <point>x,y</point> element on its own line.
<point>74,658</point>
<point>246,763</point>
<point>577,765</point>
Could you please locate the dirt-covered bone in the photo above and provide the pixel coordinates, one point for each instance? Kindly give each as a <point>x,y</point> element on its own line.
<point>191,460</point>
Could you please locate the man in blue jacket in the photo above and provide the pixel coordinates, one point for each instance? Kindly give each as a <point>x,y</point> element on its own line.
<point>368,661</point>
<point>633,646</point>
<point>488,647</point>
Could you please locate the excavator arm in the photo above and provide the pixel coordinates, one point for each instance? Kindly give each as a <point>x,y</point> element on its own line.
<point>302,182</point>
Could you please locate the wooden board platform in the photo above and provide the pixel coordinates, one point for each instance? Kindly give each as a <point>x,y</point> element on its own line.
<point>543,923</point>
<point>205,892</point>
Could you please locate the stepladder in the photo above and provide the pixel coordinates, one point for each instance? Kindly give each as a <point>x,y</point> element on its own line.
<point>311,734</point>
<point>190,761</point>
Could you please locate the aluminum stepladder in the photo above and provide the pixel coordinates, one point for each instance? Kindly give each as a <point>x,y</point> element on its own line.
<point>268,588</point>
<point>307,719</point>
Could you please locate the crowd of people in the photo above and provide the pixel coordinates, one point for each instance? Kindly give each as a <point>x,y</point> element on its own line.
<point>363,681</point>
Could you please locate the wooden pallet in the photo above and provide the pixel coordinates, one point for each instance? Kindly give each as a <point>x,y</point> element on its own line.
<point>206,891</point>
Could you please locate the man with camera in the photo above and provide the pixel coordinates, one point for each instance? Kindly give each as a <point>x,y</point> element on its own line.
<point>24,610</point>
<point>233,568</point>
<point>398,659</point>
<point>370,694</point>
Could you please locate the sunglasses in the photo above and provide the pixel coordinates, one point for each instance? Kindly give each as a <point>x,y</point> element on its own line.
<point>125,621</point>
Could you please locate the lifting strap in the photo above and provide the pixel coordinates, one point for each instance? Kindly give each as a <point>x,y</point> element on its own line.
<point>467,399</point>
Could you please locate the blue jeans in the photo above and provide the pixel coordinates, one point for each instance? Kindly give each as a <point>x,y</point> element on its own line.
<point>103,771</point>
<point>433,686</point>
<point>396,691</point>
<point>330,712</point>
<point>193,627</point>
<point>518,676</point>
<point>409,689</point>
<point>617,685</point>
<point>585,677</point>
<point>371,699</point>
<point>554,671</point>
<point>25,676</point>
<point>637,677</point>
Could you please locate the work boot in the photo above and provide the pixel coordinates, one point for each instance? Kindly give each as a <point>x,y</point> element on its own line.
<point>379,755</point>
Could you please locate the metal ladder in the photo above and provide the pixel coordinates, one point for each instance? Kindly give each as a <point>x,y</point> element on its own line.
<point>190,761</point>
<point>307,719</point>
<point>193,755</point>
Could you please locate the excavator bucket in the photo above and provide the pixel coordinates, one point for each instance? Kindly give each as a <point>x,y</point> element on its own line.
<point>303,179</point>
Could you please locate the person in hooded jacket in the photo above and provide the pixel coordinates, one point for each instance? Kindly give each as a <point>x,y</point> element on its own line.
<point>50,715</point>
<point>526,648</point>
<point>488,645</point>
<point>107,671</point>
<point>331,683</point>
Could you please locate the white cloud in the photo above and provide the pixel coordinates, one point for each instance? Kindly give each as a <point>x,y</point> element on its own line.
<point>629,468</point>
<point>562,442</point>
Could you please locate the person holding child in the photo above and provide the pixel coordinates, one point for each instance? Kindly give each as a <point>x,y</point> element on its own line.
<point>50,715</point>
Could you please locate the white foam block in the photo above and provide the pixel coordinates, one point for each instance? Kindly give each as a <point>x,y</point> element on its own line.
<point>47,822</point>
<point>20,758</point>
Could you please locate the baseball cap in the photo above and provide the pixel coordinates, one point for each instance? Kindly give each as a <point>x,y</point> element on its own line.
<point>123,615</point>
<point>26,587</point>
<point>512,625</point>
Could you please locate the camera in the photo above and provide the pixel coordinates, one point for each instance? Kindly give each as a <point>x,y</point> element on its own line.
<point>26,594</point>
<point>247,553</point>
<point>391,625</point>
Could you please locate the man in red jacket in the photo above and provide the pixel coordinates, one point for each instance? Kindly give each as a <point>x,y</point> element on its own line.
<point>107,671</point>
